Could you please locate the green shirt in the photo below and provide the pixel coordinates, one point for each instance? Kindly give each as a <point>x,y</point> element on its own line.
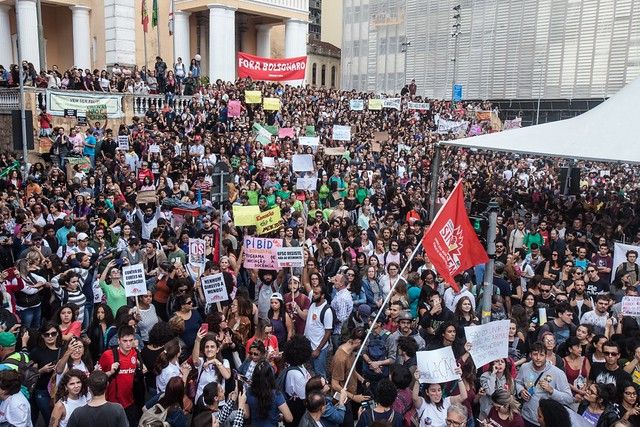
<point>115,296</point>
<point>253,197</point>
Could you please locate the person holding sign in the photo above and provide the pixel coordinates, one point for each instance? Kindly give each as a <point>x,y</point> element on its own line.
<point>111,285</point>
<point>207,359</point>
<point>432,406</point>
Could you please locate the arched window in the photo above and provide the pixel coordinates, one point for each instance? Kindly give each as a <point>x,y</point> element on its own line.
<point>323,75</point>
<point>333,76</point>
<point>314,72</point>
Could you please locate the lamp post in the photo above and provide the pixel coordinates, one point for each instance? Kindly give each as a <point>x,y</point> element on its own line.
<point>455,33</point>
<point>404,50</point>
<point>539,91</point>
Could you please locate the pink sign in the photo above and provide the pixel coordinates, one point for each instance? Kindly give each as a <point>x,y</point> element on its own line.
<point>285,132</point>
<point>234,108</point>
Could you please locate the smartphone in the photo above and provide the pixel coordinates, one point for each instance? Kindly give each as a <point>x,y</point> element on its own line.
<point>204,327</point>
<point>336,396</point>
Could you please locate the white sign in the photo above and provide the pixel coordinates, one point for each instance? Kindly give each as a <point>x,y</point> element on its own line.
<point>302,162</point>
<point>356,105</point>
<point>391,103</point>
<point>422,106</point>
<point>489,342</point>
<point>437,366</point>
<point>58,101</point>
<point>446,126</point>
<point>341,133</point>
<point>155,148</point>
<point>312,141</point>
<point>123,142</point>
<point>214,288</point>
<point>290,257</point>
<point>133,280</point>
<point>630,306</point>
<point>197,249</point>
<point>306,184</point>
<point>269,162</point>
<point>620,256</point>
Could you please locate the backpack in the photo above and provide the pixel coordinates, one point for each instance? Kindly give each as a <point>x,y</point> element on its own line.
<point>326,308</point>
<point>282,378</point>
<point>154,417</point>
<point>27,368</point>
<point>373,417</point>
<point>139,386</point>
<point>376,350</point>
<point>408,412</point>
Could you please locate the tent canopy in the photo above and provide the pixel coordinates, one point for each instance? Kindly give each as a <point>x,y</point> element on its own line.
<point>606,133</point>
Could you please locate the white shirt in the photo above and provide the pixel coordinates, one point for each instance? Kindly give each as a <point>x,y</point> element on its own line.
<point>314,329</point>
<point>209,375</point>
<point>16,411</point>
<point>431,416</point>
<point>296,381</point>
<point>170,371</point>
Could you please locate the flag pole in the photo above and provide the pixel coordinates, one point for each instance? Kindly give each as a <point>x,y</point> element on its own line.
<point>146,63</point>
<point>384,303</point>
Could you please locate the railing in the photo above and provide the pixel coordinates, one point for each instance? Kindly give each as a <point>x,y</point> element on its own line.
<point>143,103</point>
<point>9,99</point>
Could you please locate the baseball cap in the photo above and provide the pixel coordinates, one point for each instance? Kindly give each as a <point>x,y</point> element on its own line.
<point>364,310</point>
<point>7,339</point>
<point>404,315</point>
<point>276,295</point>
<point>83,236</point>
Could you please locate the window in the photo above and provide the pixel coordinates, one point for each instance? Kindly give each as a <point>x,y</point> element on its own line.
<point>314,72</point>
<point>383,46</point>
<point>393,44</point>
<point>333,76</point>
<point>323,75</point>
<point>355,82</point>
<point>356,48</point>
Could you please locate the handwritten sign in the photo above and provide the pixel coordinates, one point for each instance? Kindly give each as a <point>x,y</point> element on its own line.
<point>341,133</point>
<point>245,215</point>
<point>196,251</point>
<point>334,151</point>
<point>306,184</point>
<point>290,257</point>
<point>420,106</point>
<point>271,104</point>
<point>437,366</point>
<point>234,108</point>
<point>356,105</point>
<point>261,253</point>
<point>381,136</point>
<point>285,133</point>
<point>268,221</point>
<point>147,196</point>
<point>312,141</point>
<point>252,96</point>
<point>302,162</point>
<point>391,103</point>
<point>264,136</point>
<point>214,288</point>
<point>631,306</point>
<point>489,342</point>
<point>133,280</point>
<point>269,162</point>
<point>123,142</point>
<point>375,104</point>
<point>154,148</point>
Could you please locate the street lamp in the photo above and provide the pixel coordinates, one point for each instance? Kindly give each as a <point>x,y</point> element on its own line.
<point>404,50</point>
<point>539,91</point>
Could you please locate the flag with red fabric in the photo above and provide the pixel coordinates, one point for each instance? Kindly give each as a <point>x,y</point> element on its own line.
<point>145,17</point>
<point>451,243</point>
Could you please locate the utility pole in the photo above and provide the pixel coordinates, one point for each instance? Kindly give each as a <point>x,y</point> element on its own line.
<point>23,114</point>
<point>43,63</point>
<point>405,47</point>
<point>435,172</point>
<point>456,35</point>
<point>487,292</point>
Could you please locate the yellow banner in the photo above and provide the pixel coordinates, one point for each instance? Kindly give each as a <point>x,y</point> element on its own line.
<point>268,221</point>
<point>245,215</point>
<point>375,104</point>
<point>252,96</point>
<point>271,104</point>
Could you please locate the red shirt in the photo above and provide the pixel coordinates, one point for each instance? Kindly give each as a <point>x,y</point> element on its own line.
<point>120,388</point>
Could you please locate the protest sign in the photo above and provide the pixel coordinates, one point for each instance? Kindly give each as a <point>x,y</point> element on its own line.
<point>312,141</point>
<point>147,196</point>
<point>489,342</point>
<point>123,142</point>
<point>513,124</point>
<point>271,104</point>
<point>457,93</point>
<point>630,306</point>
<point>375,104</point>
<point>446,126</point>
<point>420,106</point>
<point>245,215</point>
<point>83,162</point>
<point>380,136</point>
<point>341,133</point>
<point>264,136</point>
<point>234,108</point>
<point>483,115</point>
<point>437,366</point>
<point>285,132</point>
<point>356,105</point>
<point>197,249</point>
<point>272,129</point>
<point>302,162</point>
<point>133,280</point>
<point>476,129</point>
<point>97,112</point>
<point>306,184</point>
<point>376,147</point>
<point>310,130</point>
<point>261,253</point>
<point>214,288</point>
<point>620,256</point>
<point>268,221</point>
<point>154,148</point>
<point>391,103</point>
<point>334,151</point>
<point>252,96</point>
<point>269,162</point>
<point>290,257</point>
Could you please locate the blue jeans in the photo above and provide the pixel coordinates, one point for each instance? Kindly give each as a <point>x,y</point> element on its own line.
<point>41,404</point>
<point>30,317</point>
<point>319,364</point>
<point>88,315</point>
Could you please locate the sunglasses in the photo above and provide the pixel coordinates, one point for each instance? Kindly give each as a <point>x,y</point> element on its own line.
<point>591,271</point>
<point>611,353</point>
<point>50,334</point>
<point>256,353</point>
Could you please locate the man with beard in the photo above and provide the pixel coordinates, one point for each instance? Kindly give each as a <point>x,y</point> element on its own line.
<point>579,301</point>
<point>318,329</point>
<point>148,220</point>
<point>265,286</point>
<point>405,329</point>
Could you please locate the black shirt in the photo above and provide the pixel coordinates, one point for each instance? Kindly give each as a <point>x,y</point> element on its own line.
<point>107,415</point>
<point>42,356</point>
<point>601,375</point>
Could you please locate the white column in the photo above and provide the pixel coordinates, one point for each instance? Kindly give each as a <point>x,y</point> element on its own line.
<point>81,37</point>
<point>182,37</point>
<point>263,40</point>
<point>295,38</point>
<point>27,17</point>
<point>6,50</point>
<point>222,42</point>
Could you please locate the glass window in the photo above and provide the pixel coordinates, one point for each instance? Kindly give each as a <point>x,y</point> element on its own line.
<point>323,75</point>
<point>333,76</point>
<point>314,72</point>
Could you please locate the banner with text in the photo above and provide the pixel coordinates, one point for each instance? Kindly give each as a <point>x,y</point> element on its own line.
<point>214,288</point>
<point>437,366</point>
<point>290,257</point>
<point>489,342</point>
<point>271,69</point>
<point>133,280</point>
<point>630,306</point>
<point>83,103</point>
<point>260,252</point>
<point>268,221</point>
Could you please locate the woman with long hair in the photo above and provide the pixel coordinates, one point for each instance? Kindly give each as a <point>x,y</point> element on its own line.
<point>576,367</point>
<point>185,304</point>
<point>72,393</point>
<point>146,314</point>
<point>207,359</point>
<point>159,335</point>
<point>464,314</point>
<point>171,400</point>
<point>264,334</point>
<point>239,318</point>
<point>297,305</point>
<point>505,410</point>
<point>596,399</point>
<point>498,377</point>
<point>66,318</point>
<point>281,322</point>
<point>265,402</point>
<point>45,355</point>
<point>433,405</point>
<point>167,365</point>
<point>76,357</point>
<point>111,285</point>
<point>102,320</point>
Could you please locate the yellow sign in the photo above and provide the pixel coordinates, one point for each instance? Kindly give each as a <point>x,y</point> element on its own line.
<point>271,104</point>
<point>252,96</point>
<point>245,215</point>
<point>268,221</point>
<point>375,104</point>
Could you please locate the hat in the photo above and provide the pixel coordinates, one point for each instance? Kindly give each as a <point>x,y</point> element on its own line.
<point>295,278</point>
<point>276,295</point>
<point>404,315</point>
<point>364,310</point>
<point>83,236</point>
<point>7,339</point>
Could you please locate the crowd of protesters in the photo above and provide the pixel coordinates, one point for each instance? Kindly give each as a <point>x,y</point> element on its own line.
<point>75,350</point>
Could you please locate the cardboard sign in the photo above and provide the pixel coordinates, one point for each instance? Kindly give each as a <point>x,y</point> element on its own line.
<point>268,221</point>
<point>375,104</point>
<point>285,133</point>
<point>356,105</point>
<point>630,306</point>
<point>302,162</point>
<point>245,215</point>
<point>147,196</point>
<point>260,253</point>
<point>97,112</point>
<point>269,162</point>
<point>489,342</point>
<point>290,257</point>
<point>306,184</point>
<point>381,136</point>
<point>271,104</point>
<point>312,141</point>
<point>197,249</point>
<point>334,151</point>
<point>123,142</point>
<point>234,108</point>
<point>341,133</point>
<point>376,147</point>
<point>133,280</point>
<point>252,96</point>
<point>214,288</point>
<point>437,366</point>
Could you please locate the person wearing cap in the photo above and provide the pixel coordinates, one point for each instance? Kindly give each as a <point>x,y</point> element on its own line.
<point>69,248</point>
<point>280,319</point>
<point>405,329</point>
<point>83,244</point>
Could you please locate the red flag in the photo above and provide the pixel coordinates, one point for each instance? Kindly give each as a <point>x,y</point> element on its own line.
<point>451,242</point>
<point>145,17</point>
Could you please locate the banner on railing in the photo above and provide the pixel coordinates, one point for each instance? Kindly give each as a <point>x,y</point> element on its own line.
<point>271,69</point>
<point>83,102</point>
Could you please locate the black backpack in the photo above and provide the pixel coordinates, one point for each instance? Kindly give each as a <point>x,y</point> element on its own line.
<point>27,368</point>
<point>139,386</point>
<point>333,314</point>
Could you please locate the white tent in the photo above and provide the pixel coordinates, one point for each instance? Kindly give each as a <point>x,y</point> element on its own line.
<point>608,132</point>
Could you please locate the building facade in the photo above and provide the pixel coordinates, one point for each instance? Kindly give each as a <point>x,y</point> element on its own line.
<point>323,64</point>
<point>518,49</point>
